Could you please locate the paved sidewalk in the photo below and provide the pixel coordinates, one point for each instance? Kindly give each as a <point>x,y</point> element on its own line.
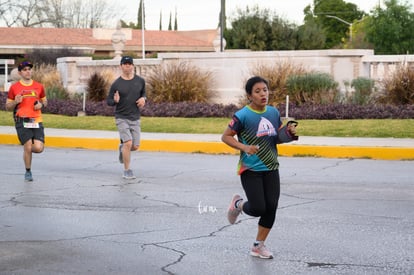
<point>374,148</point>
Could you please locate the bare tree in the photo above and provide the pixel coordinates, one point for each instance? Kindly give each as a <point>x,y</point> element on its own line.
<point>56,13</point>
<point>74,11</point>
<point>26,13</point>
<point>4,6</point>
<point>7,13</point>
<point>32,13</point>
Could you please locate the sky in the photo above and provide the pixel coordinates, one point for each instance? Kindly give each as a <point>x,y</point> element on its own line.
<point>204,14</point>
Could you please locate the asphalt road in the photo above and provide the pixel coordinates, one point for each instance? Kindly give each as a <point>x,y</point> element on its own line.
<point>336,216</point>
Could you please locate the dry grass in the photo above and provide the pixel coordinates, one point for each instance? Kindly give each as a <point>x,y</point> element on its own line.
<point>399,87</point>
<point>277,74</point>
<point>109,77</point>
<point>49,76</point>
<point>177,82</point>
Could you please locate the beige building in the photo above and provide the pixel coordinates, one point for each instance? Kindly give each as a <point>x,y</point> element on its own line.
<point>16,42</point>
<point>202,48</point>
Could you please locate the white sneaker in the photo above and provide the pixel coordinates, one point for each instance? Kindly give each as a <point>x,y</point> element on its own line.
<point>261,251</point>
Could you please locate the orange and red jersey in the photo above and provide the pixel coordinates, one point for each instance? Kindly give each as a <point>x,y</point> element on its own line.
<point>30,93</point>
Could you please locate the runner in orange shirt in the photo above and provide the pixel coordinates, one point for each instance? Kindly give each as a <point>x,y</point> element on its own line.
<point>26,98</point>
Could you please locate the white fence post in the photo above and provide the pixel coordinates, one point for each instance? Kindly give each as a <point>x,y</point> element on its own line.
<point>6,62</point>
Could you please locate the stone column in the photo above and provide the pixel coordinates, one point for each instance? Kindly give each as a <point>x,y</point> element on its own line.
<point>118,41</point>
<point>217,41</point>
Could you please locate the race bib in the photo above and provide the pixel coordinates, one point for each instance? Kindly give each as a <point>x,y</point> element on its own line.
<point>30,123</point>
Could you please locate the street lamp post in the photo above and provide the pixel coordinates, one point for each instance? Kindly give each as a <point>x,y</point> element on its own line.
<point>142,30</point>
<point>222,20</point>
<point>343,21</point>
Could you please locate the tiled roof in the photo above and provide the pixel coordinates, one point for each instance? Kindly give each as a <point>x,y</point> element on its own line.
<point>47,36</point>
<point>154,40</point>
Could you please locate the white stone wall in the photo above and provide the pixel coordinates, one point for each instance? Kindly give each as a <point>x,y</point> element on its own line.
<point>75,71</point>
<point>231,68</point>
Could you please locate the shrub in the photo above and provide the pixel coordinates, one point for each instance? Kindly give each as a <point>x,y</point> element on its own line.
<point>319,88</point>
<point>277,75</point>
<point>190,109</point>
<point>363,90</point>
<point>63,107</point>
<point>348,111</point>
<point>98,109</point>
<point>49,56</point>
<point>56,92</point>
<point>399,87</point>
<point>98,85</point>
<point>179,82</point>
<point>49,76</point>
<point>109,77</point>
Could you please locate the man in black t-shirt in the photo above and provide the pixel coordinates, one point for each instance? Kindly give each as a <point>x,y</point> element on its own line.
<point>127,94</point>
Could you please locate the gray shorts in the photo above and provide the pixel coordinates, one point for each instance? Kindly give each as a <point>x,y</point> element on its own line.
<point>129,130</point>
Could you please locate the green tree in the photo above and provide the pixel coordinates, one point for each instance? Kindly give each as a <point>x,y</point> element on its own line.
<point>141,11</point>
<point>390,30</point>
<point>335,17</point>
<point>310,36</point>
<point>175,21</point>
<point>169,24</point>
<point>359,40</point>
<point>160,20</point>
<point>138,25</point>
<point>131,25</point>
<point>284,35</point>
<point>250,30</point>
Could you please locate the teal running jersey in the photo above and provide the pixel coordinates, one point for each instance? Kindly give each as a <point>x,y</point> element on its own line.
<point>258,128</point>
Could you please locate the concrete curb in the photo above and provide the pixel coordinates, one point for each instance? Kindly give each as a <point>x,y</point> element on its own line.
<point>213,147</point>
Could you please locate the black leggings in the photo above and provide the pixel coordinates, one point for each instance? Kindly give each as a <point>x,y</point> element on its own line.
<point>262,191</point>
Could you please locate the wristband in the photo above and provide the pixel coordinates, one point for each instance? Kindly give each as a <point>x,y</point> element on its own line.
<point>295,123</point>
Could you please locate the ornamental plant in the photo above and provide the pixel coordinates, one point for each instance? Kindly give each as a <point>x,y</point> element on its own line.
<point>316,88</point>
<point>399,87</point>
<point>98,85</point>
<point>277,74</point>
<point>49,76</point>
<point>179,82</point>
<point>364,87</point>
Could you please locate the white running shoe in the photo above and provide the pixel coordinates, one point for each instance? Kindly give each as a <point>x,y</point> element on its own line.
<point>261,251</point>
